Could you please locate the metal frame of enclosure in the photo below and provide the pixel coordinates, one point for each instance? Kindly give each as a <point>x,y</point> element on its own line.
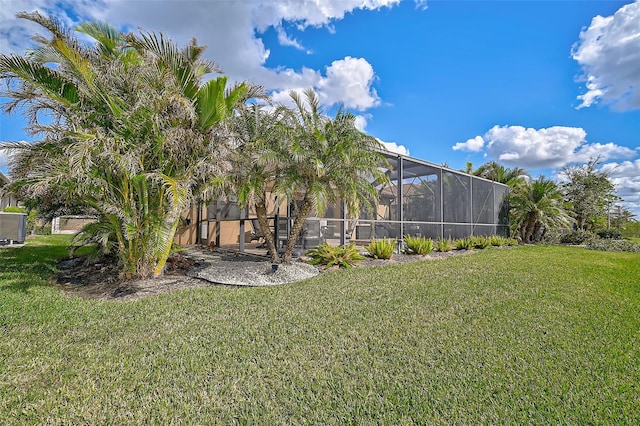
<point>420,199</point>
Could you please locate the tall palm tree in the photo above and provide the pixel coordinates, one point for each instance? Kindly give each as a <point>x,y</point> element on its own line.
<point>324,161</point>
<point>136,132</point>
<point>536,207</point>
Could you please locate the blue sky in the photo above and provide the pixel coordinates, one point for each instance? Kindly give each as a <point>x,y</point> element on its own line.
<point>534,84</point>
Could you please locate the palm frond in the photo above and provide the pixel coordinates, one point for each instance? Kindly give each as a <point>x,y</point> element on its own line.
<point>109,39</point>
<point>53,83</point>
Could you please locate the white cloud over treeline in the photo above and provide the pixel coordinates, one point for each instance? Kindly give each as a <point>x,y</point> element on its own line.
<point>550,147</point>
<point>626,178</point>
<point>556,147</point>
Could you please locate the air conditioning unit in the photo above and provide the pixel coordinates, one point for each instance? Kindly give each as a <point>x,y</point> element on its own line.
<point>13,227</point>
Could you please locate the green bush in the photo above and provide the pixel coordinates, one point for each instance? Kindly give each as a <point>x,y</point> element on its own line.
<point>443,245</point>
<point>479,242</point>
<point>576,237</point>
<point>382,248</point>
<point>463,244</point>
<point>344,256</point>
<point>43,230</point>
<point>14,209</point>
<point>609,234</point>
<point>613,245</point>
<point>32,222</point>
<point>418,245</point>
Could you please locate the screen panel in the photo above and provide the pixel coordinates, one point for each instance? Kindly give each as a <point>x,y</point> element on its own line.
<point>456,197</point>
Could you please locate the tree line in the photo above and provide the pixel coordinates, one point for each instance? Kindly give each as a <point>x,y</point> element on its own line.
<point>584,199</point>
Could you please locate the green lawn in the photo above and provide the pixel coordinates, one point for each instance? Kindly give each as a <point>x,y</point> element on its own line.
<point>524,335</point>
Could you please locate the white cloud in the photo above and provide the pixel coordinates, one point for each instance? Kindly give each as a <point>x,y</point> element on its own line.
<point>348,81</point>
<point>284,96</point>
<point>472,145</point>
<point>604,151</point>
<point>285,40</point>
<point>394,147</point>
<point>231,31</point>
<point>550,147</point>
<point>626,178</point>
<point>361,122</point>
<point>15,34</point>
<point>609,54</point>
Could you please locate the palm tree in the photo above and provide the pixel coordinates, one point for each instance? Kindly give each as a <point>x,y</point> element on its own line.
<point>325,161</point>
<point>256,129</point>
<point>498,173</point>
<point>135,133</point>
<point>536,207</point>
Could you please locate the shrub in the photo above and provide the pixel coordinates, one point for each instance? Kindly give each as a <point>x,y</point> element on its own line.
<point>609,234</point>
<point>43,230</point>
<point>443,245</point>
<point>497,240</point>
<point>32,222</point>
<point>463,244</point>
<point>381,248</point>
<point>576,237</point>
<point>511,242</point>
<point>613,245</point>
<point>480,242</point>
<point>418,245</point>
<point>14,209</point>
<point>344,256</point>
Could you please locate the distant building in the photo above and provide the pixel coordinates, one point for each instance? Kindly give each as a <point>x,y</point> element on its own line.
<point>6,198</point>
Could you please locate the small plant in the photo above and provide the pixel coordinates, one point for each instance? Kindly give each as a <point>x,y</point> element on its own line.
<point>382,248</point>
<point>511,242</point>
<point>418,245</point>
<point>479,242</point>
<point>443,245</point>
<point>497,241</point>
<point>343,256</point>
<point>463,244</point>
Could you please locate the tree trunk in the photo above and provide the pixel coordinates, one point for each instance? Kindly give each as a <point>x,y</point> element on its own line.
<point>531,223</point>
<point>263,219</point>
<point>537,232</point>
<point>298,224</point>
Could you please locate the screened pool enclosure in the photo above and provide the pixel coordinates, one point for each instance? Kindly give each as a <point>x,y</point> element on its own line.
<point>420,199</point>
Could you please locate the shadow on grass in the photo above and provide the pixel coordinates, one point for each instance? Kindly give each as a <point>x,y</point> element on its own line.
<point>31,265</point>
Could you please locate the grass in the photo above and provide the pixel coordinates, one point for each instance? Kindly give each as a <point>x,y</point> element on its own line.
<point>525,335</point>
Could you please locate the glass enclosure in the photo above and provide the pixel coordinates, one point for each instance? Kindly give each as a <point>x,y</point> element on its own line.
<point>419,199</point>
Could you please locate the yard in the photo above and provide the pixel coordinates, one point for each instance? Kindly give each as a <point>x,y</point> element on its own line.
<point>523,335</point>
